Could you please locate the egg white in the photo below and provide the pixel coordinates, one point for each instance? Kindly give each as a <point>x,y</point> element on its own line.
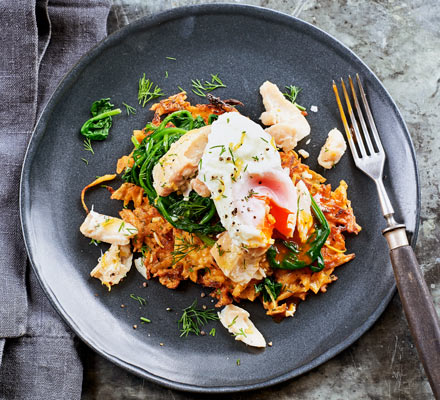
<point>239,156</point>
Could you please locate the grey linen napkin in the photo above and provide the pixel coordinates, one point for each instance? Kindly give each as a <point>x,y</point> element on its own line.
<point>41,40</point>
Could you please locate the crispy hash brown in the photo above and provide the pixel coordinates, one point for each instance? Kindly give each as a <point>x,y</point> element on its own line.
<point>173,255</point>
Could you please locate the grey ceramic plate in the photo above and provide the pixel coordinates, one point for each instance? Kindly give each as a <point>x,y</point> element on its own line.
<point>245,46</point>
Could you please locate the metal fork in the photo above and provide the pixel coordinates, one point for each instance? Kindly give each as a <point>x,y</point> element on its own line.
<point>416,299</point>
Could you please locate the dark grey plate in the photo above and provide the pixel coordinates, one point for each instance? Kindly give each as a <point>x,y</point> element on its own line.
<point>245,46</point>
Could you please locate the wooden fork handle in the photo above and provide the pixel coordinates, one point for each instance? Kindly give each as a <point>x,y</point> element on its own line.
<point>420,311</point>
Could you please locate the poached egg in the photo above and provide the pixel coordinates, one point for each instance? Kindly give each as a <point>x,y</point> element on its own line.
<point>252,193</point>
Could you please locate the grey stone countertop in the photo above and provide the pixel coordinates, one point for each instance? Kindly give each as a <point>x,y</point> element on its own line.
<point>400,41</point>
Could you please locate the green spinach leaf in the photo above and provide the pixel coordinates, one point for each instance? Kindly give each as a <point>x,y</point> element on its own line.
<point>98,127</point>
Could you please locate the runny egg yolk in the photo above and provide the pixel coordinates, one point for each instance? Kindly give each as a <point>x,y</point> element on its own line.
<point>277,218</point>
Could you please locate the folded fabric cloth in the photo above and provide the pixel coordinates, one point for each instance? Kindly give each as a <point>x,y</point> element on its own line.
<point>41,40</point>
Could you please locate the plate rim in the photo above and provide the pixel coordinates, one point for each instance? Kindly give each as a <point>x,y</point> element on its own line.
<point>38,132</point>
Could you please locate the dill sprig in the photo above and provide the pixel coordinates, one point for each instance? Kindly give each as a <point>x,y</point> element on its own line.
<point>144,250</point>
<point>240,332</point>
<point>200,89</point>
<point>183,248</point>
<point>143,319</point>
<point>192,319</point>
<point>130,109</point>
<point>292,94</point>
<point>88,146</point>
<point>140,299</point>
<point>85,161</point>
<point>146,91</point>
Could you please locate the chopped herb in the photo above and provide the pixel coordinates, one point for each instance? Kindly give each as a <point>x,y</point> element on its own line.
<point>269,288</point>
<point>200,89</point>
<point>250,194</point>
<point>291,95</point>
<point>220,146</point>
<point>238,361</point>
<point>166,74</point>
<point>140,299</point>
<point>146,91</point>
<point>232,155</point>
<point>263,139</point>
<point>255,158</point>
<point>121,226</point>
<point>240,333</point>
<point>212,332</point>
<point>233,321</point>
<point>193,319</point>
<point>183,248</point>
<point>144,250</point>
<point>95,242</point>
<point>171,58</point>
<point>143,319</point>
<point>86,162</point>
<point>182,90</point>
<point>88,145</point>
<point>130,109</point>
<point>130,231</point>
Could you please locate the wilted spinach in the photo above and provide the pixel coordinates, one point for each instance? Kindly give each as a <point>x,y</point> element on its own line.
<point>269,288</point>
<point>97,127</point>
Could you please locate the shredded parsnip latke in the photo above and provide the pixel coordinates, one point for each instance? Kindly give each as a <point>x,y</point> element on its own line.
<point>172,255</point>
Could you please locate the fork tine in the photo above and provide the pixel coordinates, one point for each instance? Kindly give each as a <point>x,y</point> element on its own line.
<point>357,133</point>
<point>370,146</point>
<point>369,115</point>
<point>345,123</point>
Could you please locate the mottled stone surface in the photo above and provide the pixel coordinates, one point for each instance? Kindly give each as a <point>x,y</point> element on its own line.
<point>400,41</point>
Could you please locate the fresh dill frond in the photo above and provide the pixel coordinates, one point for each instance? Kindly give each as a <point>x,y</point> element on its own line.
<point>85,161</point>
<point>233,321</point>
<point>269,288</point>
<point>212,332</point>
<point>121,226</point>
<point>215,83</point>
<point>292,94</point>
<point>182,247</point>
<point>144,250</point>
<point>200,89</point>
<point>88,146</point>
<point>130,109</point>
<point>232,155</point>
<point>95,242</point>
<point>140,299</point>
<point>193,319</point>
<point>181,89</point>
<point>240,332</point>
<point>143,319</point>
<point>166,74</point>
<point>146,91</point>
<point>171,58</point>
